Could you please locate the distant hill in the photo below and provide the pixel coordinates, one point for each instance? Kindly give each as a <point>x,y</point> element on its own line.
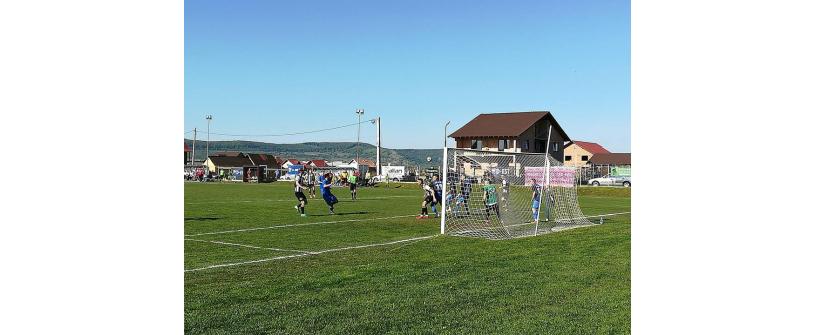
<point>330,151</point>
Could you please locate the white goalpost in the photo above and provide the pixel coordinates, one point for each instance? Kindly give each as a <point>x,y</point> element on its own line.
<point>501,195</point>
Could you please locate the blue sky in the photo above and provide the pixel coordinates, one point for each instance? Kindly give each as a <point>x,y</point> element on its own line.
<point>270,67</point>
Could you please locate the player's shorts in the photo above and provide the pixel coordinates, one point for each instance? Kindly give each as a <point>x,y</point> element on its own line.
<point>428,199</point>
<point>302,197</point>
<point>536,204</point>
<point>329,198</point>
<point>353,187</point>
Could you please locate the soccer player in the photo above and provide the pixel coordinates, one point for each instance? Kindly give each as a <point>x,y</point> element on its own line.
<point>438,185</point>
<point>549,203</point>
<point>325,189</point>
<point>490,199</point>
<point>536,200</point>
<point>352,184</point>
<point>311,180</point>
<point>504,189</point>
<point>466,188</point>
<point>299,185</point>
<point>429,197</point>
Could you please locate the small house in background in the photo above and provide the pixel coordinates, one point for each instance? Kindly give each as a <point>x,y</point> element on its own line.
<point>514,132</point>
<point>615,164</point>
<point>365,162</point>
<point>316,163</point>
<point>578,153</point>
<point>238,166</point>
<point>289,162</point>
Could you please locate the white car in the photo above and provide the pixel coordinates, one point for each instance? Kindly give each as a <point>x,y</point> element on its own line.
<point>381,178</point>
<point>609,180</point>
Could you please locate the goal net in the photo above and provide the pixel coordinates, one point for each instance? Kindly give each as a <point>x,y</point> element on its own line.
<point>502,195</point>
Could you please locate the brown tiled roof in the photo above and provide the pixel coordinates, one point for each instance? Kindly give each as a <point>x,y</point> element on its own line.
<point>264,159</point>
<point>318,162</point>
<point>504,124</point>
<point>367,162</point>
<point>227,154</point>
<point>592,147</point>
<point>230,161</point>
<point>611,159</point>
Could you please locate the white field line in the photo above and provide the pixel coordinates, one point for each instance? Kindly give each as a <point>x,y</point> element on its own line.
<point>309,253</point>
<point>295,200</point>
<point>295,225</point>
<point>245,245</point>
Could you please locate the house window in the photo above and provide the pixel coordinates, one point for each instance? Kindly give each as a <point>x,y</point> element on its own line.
<point>568,158</point>
<point>476,144</point>
<point>503,145</point>
<point>555,147</point>
<point>584,158</point>
<point>526,145</point>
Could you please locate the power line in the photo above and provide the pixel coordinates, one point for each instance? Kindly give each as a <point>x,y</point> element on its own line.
<point>298,133</point>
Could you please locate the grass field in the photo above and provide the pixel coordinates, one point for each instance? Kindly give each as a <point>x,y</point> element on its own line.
<point>353,272</point>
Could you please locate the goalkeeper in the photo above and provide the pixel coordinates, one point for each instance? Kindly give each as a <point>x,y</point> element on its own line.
<point>490,199</point>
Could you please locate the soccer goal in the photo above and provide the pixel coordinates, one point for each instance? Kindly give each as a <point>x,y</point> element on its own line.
<point>502,195</point>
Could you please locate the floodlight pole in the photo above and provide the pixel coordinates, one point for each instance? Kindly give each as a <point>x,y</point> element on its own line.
<point>359,122</point>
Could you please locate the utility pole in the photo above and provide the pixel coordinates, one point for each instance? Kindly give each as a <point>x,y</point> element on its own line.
<point>378,146</point>
<point>209,118</point>
<point>359,122</point>
<point>194,135</point>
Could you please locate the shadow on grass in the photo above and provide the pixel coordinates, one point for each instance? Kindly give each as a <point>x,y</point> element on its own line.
<point>203,218</point>
<point>343,213</point>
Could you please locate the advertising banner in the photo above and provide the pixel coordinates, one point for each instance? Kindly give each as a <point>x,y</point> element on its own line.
<point>558,175</point>
<point>293,169</point>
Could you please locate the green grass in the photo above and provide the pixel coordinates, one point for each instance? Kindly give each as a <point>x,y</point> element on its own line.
<point>572,282</point>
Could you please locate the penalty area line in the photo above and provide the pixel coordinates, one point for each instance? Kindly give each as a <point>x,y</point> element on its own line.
<point>245,245</point>
<point>310,253</point>
<point>295,225</point>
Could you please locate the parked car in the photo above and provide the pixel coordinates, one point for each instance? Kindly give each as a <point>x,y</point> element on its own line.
<point>381,179</point>
<point>609,180</point>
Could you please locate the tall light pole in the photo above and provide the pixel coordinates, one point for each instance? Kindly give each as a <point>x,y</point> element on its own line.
<point>209,118</point>
<point>445,134</point>
<point>359,123</point>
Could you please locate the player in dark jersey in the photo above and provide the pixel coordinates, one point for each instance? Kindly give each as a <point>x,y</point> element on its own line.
<point>299,186</point>
<point>466,188</point>
<point>437,186</point>
<point>325,188</point>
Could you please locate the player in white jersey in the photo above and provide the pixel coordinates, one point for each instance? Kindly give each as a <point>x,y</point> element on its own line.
<point>429,197</point>
<point>299,186</point>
